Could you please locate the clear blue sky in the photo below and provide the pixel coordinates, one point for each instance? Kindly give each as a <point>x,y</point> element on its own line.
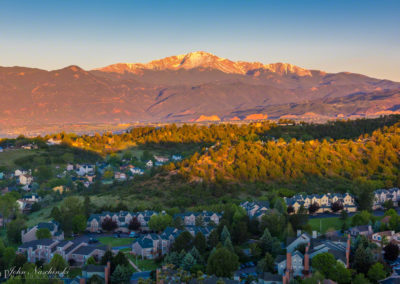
<point>356,36</point>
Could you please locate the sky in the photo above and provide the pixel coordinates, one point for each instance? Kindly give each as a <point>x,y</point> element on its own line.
<point>354,36</point>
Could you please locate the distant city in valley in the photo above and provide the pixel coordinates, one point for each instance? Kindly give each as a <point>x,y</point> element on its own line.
<point>199,142</point>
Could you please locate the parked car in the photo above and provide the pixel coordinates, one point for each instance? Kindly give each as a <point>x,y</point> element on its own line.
<point>117,236</point>
<point>93,241</point>
<point>132,234</point>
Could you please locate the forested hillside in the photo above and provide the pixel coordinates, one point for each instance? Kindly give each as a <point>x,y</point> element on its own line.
<point>236,161</point>
<point>371,157</point>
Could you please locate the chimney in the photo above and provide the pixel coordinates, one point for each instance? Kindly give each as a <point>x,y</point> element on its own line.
<point>82,281</point>
<point>298,233</point>
<point>348,251</point>
<point>107,271</point>
<point>158,279</point>
<point>306,261</point>
<point>288,262</point>
<point>314,234</point>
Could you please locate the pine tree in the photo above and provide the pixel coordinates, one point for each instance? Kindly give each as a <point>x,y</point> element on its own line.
<point>268,243</point>
<point>222,263</point>
<point>173,258</point>
<point>196,255</point>
<point>363,259</point>
<point>225,234</point>
<point>200,242</point>
<point>228,245</point>
<point>188,261</point>
<point>121,274</point>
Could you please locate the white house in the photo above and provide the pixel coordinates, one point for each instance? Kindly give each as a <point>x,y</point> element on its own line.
<point>176,157</point>
<point>120,176</point>
<point>17,173</point>
<point>85,169</point>
<point>25,179</point>
<point>383,195</point>
<point>52,142</point>
<point>137,171</point>
<point>161,159</point>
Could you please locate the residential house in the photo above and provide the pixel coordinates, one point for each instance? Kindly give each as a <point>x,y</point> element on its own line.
<point>381,237</point>
<point>29,234</point>
<point>193,230</point>
<point>301,239</point>
<point>83,170</point>
<point>269,278</point>
<point>176,158</point>
<point>60,189</point>
<point>147,247</point>
<point>70,167</point>
<point>297,264</point>
<point>339,247</point>
<point>255,209</point>
<point>161,159</point>
<point>292,260</point>
<point>29,146</point>
<point>32,198</point>
<point>150,246</point>
<point>168,237</point>
<point>122,218</point>
<point>81,254</point>
<point>91,270</point>
<point>324,201</point>
<point>120,176</point>
<point>136,171</point>
<point>38,250</point>
<point>90,177</point>
<point>27,201</point>
<point>52,142</point>
<point>75,252</point>
<point>364,230</point>
<point>25,179</point>
<point>149,164</point>
<point>18,172</point>
<point>383,195</point>
<point>189,218</point>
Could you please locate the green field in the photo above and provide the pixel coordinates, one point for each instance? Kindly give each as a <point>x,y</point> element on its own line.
<point>325,224</point>
<point>115,242</point>
<point>143,264</point>
<point>43,215</point>
<point>8,157</point>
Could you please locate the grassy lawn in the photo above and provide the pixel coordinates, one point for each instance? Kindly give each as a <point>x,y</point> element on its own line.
<point>40,216</point>
<point>325,224</point>
<point>143,264</point>
<point>331,223</point>
<point>8,157</point>
<point>115,242</point>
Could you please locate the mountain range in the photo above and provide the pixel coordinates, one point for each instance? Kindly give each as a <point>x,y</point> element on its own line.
<point>197,86</point>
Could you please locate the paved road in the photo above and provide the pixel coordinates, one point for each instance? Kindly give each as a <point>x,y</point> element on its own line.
<point>329,215</point>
